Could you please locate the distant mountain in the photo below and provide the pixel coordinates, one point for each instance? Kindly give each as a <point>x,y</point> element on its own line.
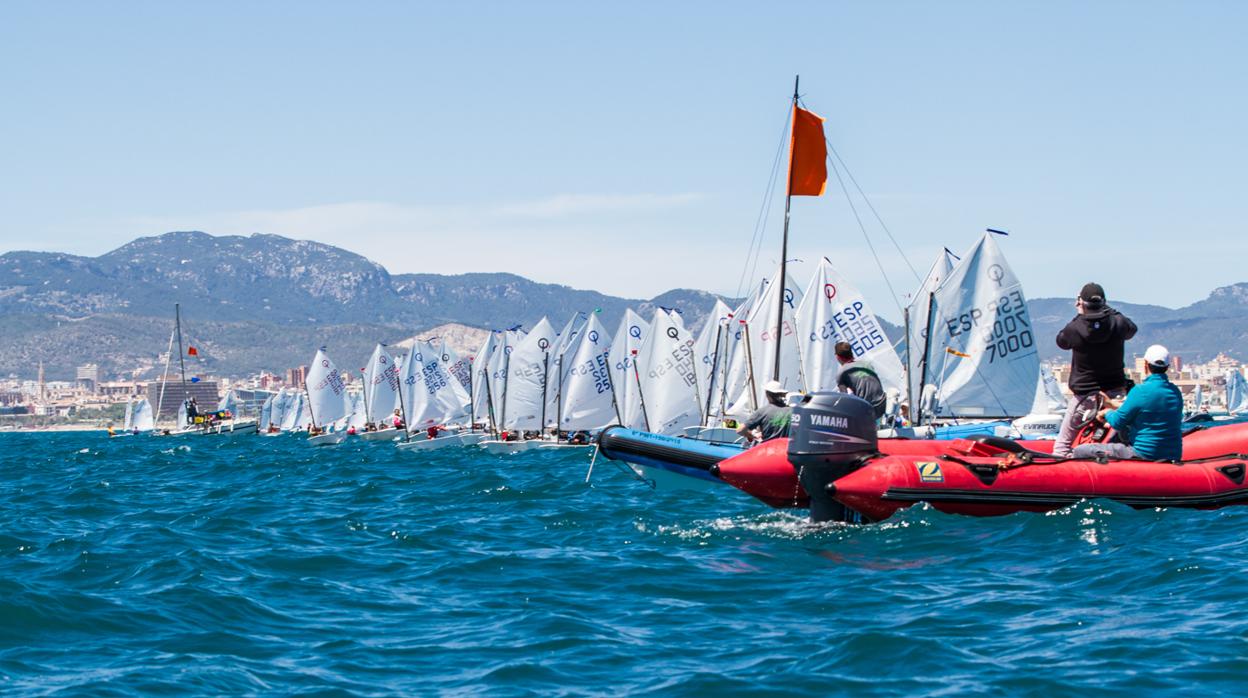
<point>1197,332</point>
<point>258,302</point>
<point>266,302</point>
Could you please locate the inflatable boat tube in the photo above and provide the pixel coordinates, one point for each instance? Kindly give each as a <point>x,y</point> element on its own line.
<point>766,473</point>
<point>688,457</point>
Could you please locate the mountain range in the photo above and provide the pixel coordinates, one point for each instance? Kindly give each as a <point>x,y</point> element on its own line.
<point>258,302</point>
<point>266,302</point>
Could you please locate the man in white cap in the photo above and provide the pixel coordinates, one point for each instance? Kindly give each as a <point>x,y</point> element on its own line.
<point>771,420</point>
<point>1149,421</point>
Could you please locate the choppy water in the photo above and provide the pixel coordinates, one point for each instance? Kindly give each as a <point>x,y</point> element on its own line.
<point>141,566</point>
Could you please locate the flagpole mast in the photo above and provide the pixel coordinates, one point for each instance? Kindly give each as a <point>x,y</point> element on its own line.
<point>784,244</point>
<point>177,320</point>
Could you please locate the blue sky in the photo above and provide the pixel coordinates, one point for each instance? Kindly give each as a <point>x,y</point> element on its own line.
<point>627,147</point>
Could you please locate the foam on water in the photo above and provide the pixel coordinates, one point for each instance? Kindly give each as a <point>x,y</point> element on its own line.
<point>132,567</point>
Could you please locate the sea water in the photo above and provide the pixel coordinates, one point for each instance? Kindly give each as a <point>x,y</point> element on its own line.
<point>210,566</point>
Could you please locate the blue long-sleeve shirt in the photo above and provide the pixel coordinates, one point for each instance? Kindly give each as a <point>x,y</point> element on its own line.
<point>1151,419</point>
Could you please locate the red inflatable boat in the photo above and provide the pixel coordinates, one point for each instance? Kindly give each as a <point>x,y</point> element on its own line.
<point>843,466</point>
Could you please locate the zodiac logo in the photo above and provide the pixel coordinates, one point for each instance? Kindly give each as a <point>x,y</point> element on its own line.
<point>419,357</point>
<point>788,297</point>
<point>593,336</point>
<point>829,291</point>
<point>325,363</point>
<point>634,332</point>
<point>671,332</point>
<point>543,343</point>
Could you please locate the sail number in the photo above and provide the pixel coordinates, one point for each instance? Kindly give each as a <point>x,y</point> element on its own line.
<point>854,325</point>
<point>680,360</point>
<point>598,368</point>
<point>1002,323</point>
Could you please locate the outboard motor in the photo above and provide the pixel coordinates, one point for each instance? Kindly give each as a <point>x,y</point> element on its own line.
<point>830,436</point>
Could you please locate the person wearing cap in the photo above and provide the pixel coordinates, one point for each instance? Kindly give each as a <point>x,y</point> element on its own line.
<point>1149,421</point>
<point>1096,338</point>
<point>771,420</point>
<point>858,378</point>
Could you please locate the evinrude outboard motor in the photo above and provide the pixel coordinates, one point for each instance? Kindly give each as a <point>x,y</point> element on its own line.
<point>830,436</point>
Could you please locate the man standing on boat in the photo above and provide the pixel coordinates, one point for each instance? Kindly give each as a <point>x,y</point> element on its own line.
<point>770,421</point>
<point>1096,338</point>
<point>1149,421</point>
<point>858,378</point>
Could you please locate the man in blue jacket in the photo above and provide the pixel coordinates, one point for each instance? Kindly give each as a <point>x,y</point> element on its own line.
<point>1149,421</point>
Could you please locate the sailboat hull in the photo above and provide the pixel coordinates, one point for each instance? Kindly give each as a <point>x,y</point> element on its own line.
<point>439,443</point>
<point>381,435</point>
<point>331,439</point>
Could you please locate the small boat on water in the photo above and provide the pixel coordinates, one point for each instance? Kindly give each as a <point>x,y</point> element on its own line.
<point>390,434</point>
<point>327,401</point>
<point>834,463</point>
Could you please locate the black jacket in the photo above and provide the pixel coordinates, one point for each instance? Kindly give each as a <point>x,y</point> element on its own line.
<point>1096,342</point>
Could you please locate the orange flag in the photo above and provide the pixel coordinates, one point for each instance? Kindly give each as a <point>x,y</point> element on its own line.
<point>808,155</point>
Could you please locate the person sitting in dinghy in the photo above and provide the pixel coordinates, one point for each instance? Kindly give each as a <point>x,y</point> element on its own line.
<point>857,378</point>
<point>770,421</point>
<point>1149,421</point>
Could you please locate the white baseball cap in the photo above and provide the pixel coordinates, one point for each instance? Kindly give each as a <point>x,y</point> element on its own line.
<point>774,387</point>
<point>1157,356</point>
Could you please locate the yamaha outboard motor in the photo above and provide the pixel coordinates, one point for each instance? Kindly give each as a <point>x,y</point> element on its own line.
<point>830,436</point>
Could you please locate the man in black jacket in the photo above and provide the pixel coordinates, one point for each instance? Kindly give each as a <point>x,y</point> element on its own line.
<point>1096,339</point>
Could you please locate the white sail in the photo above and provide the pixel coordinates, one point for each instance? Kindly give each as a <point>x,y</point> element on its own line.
<point>983,357</point>
<point>230,402</point>
<point>144,419</point>
<point>266,413</point>
<point>327,392</point>
<point>1236,392</point>
<point>183,417</point>
<point>357,417</point>
<point>292,417</point>
<point>669,392</point>
<point>627,342</point>
<point>710,353</point>
<point>381,386</point>
<point>738,380</point>
<point>588,402</point>
<point>528,370</point>
<point>432,396</point>
<point>917,312</point>
<point>128,422</point>
<point>560,358</point>
<point>483,405</point>
<point>500,360</point>
<point>1049,399</point>
<point>1198,399</point>
<point>832,311</point>
<point>456,365</point>
<point>765,325</point>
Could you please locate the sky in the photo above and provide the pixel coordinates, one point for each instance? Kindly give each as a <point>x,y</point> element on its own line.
<point>627,147</point>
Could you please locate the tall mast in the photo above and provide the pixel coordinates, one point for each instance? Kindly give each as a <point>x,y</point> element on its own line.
<point>784,244</point>
<point>177,315</point>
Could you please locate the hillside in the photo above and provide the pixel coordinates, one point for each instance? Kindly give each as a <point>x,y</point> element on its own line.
<point>258,302</point>
<point>266,302</point>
